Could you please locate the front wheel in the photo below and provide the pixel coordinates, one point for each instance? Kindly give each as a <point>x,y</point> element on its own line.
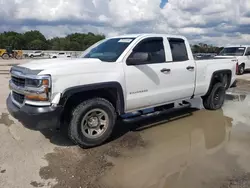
<point>92,122</point>
<point>216,98</point>
<point>5,56</point>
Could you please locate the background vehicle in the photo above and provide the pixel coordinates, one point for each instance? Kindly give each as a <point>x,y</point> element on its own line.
<point>35,54</point>
<point>8,52</point>
<point>60,55</point>
<point>129,77</point>
<point>241,53</point>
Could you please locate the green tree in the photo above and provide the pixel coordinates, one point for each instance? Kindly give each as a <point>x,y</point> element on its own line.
<point>37,44</point>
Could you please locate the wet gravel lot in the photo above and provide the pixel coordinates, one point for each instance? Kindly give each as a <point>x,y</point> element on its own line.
<point>191,148</point>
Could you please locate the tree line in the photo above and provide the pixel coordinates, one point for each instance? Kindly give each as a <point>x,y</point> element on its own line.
<point>35,40</point>
<point>205,48</point>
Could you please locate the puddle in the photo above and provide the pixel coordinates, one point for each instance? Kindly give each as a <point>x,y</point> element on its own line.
<point>206,149</point>
<point>173,147</point>
<point>238,109</point>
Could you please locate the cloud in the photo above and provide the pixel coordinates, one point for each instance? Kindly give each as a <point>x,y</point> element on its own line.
<point>218,22</point>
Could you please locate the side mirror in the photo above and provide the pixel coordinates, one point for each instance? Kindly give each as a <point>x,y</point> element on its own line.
<point>137,58</point>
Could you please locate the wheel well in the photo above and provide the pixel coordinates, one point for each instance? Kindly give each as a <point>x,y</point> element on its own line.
<point>243,64</point>
<point>110,94</point>
<point>218,77</point>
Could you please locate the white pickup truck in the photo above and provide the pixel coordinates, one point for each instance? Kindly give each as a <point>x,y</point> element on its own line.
<point>241,53</point>
<point>116,77</point>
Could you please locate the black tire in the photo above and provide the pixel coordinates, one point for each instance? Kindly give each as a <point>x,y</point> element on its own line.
<point>241,69</point>
<point>32,56</point>
<point>215,99</point>
<point>225,80</point>
<point>75,132</point>
<point>5,56</point>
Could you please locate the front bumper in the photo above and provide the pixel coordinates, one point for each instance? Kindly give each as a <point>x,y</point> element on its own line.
<point>34,117</point>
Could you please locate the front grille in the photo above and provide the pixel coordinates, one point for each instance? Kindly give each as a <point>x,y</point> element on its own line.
<point>18,81</point>
<point>18,97</point>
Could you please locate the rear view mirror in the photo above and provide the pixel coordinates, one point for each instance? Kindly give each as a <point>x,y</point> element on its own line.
<point>137,58</point>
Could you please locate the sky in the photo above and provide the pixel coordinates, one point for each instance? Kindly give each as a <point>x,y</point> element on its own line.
<point>218,22</point>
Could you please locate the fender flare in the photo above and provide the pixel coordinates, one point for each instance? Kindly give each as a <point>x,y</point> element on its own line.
<point>120,103</point>
<point>227,71</point>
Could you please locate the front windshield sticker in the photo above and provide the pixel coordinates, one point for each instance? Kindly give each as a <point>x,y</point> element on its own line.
<point>125,40</point>
<point>241,48</point>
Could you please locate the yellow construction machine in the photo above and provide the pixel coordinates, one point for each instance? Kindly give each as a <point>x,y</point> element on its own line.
<point>8,53</point>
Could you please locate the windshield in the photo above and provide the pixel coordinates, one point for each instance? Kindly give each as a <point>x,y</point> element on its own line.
<point>233,51</point>
<point>109,50</point>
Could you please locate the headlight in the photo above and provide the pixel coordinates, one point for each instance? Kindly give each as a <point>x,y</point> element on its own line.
<point>33,82</point>
<point>40,89</point>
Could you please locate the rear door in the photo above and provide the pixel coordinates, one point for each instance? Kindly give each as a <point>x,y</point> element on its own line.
<point>180,82</point>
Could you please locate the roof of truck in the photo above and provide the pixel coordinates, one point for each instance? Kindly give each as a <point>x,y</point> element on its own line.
<point>237,46</point>
<point>148,34</point>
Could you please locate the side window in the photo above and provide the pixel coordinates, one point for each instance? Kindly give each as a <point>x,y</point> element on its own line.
<point>153,48</point>
<point>247,52</point>
<point>178,49</point>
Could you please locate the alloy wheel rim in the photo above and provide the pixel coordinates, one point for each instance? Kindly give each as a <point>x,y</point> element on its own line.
<point>94,123</point>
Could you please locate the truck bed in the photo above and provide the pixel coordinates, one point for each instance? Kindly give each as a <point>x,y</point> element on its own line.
<point>211,57</point>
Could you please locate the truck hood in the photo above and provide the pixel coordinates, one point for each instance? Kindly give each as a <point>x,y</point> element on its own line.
<point>69,65</point>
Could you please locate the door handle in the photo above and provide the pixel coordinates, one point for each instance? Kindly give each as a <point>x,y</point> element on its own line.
<point>190,68</point>
<point>165,70</point>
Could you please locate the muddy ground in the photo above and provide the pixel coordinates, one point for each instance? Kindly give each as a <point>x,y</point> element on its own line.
<point>191,149</point>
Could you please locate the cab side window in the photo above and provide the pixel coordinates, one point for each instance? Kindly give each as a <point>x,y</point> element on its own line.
<point>178,49</point>
<point>247,52</point>
<point>153,48</point>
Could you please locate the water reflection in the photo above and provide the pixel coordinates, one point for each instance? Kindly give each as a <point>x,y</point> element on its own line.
<point>172,148</point>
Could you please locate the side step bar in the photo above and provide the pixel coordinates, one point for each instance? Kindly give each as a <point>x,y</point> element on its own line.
<point>140,116</point>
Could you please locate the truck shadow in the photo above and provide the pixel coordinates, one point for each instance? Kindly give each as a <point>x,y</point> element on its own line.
<point>59,137</point>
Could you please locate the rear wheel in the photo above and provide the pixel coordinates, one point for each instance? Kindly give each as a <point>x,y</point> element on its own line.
<point>225,80</point>
<point>216,97</point>
<point>92,122</point>
<point>241,69</point>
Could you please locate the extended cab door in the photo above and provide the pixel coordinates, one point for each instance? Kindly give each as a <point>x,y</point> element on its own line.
<point>160,79</point>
